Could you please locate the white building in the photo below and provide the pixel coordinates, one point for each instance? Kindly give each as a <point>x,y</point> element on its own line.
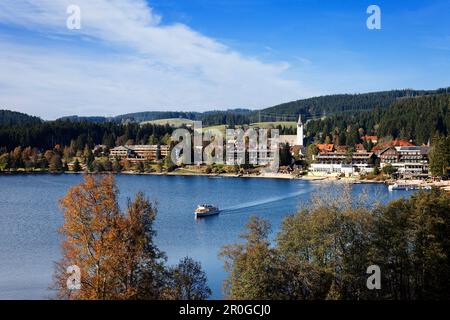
<point>342,163</point>
<point>140,152</point>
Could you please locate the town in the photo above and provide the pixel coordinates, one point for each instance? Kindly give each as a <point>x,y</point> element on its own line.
<point>299,157</point>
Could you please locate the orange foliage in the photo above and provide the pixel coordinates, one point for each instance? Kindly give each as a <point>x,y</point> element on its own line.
<point>114,251</point>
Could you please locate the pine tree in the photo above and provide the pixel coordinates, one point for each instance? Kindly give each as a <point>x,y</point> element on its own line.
<point>439,156</point>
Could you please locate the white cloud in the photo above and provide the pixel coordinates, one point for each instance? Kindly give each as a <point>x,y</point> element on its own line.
<point>150,65</point>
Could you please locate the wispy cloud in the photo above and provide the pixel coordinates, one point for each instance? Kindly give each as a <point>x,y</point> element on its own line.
<point>149,65</point>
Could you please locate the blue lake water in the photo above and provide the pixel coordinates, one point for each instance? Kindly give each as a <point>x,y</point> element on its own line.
<point>30,217</point>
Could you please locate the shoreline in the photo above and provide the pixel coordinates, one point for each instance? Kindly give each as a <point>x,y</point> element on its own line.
<point>280,176</point>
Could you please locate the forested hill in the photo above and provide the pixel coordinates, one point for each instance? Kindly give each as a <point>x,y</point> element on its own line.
<point>94,119</point>
<point>135,117</point>
<point>417,119</point>
<point>12,117</point>
<point>231,117</point>
<point>333,104</point>
<point>310,108</point>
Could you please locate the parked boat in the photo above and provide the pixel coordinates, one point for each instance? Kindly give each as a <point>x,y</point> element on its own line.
<point>205,210</point>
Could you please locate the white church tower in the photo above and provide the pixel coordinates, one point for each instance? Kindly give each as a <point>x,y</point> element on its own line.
<point>300,131</point>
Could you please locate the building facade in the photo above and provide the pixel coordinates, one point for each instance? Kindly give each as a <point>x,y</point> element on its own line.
<point>410,160</point>
<point>136,153</point>
<point>343,163</point>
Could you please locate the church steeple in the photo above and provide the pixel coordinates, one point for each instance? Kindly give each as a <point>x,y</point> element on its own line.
<point>300,131</point>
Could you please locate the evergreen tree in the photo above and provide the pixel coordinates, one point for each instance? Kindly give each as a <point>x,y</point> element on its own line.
<point>439,156</point>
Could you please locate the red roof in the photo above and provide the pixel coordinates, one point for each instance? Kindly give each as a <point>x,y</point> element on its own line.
<point>325,147</point>
<point>369,138</point>
<point>393,143</point>
<point>401,143</point>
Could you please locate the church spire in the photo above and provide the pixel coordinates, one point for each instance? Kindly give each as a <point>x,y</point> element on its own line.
<point>300,131</point>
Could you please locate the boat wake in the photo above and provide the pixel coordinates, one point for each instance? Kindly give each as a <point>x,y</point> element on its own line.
<point>258,203</point>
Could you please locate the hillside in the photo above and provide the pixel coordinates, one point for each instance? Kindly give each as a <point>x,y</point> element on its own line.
<point>332,104</point>
<point>97,119</point>
<point>311,108</point>
<point>12,118</point>
<point>416,118</point>
<point>215,117</point>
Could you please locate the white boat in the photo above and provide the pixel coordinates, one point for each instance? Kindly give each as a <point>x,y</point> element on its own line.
<point>405,186</point>
<point>205,210</point>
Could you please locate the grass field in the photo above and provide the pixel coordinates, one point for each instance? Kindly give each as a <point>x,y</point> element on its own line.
<point>175,122</point>
<point>178,122</point>
<point>286,124</point>
<point>221,127</point>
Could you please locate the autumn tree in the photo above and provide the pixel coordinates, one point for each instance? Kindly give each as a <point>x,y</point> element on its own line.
<point>411,245</point>
<point>323,248</point>
<point>141,265</point>
<point>4,161</point>
<point>16,158</point>
<point>115,251</point>
<point>91,232</point>
<point>55,163</point>
<point>323,251</point>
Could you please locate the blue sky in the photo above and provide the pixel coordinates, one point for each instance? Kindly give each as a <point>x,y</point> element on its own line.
<point>136,55</point>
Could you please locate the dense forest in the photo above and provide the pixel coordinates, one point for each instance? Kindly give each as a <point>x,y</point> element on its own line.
<point>417,119</point>
<point>341,103</point>
<point>8,118</point>
<point>310,108</point>
<point>45,135</point>
<point>229,117</point>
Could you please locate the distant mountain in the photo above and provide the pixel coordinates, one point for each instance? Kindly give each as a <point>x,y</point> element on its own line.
<point>339,103</point>
<point>310,108</point>
<point>85,119</point>
<point>156,115</point>
<point>208,117</point>
<point>8,117</point>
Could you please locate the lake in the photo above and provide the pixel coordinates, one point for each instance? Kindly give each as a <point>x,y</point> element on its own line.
<point>30,217</point>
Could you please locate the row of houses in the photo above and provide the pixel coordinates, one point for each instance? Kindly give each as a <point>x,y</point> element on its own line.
<point>405,158</point>
<point>139,153</point>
